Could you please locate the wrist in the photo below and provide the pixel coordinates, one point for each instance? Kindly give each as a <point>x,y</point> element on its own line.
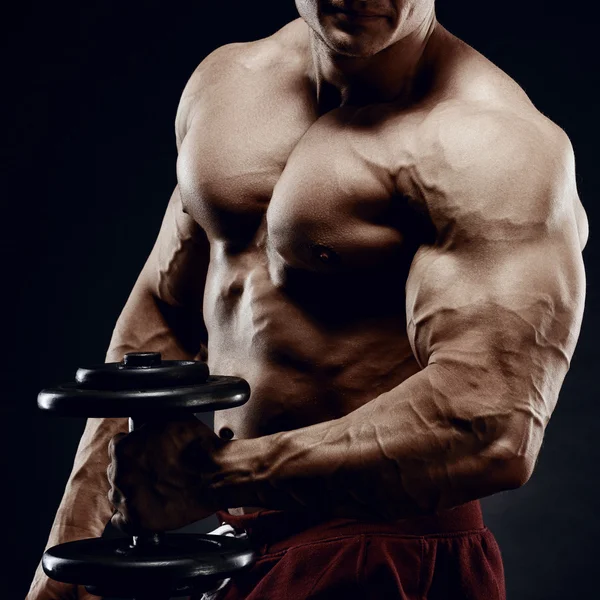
<point>242,471</point>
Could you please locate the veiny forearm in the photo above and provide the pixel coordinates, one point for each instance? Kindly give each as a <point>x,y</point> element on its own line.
<point>84,509</point>
<point>407,452</point>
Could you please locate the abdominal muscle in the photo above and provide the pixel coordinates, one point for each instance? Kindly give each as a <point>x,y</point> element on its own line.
<point>309,356</point>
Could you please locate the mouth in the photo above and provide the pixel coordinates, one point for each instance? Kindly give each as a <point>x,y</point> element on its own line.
<point>355,15</point>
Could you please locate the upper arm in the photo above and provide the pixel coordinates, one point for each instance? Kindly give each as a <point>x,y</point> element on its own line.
<point>494,306</point>
<point>175,272</point>
<point>167,298</point>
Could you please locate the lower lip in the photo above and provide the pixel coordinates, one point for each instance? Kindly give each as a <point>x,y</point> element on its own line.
<point>359,17</point>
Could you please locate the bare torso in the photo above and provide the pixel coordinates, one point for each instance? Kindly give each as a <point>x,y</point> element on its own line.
<point>312,231</point>
<point>400,282</point>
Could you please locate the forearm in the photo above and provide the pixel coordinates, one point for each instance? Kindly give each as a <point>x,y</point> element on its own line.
<point>405,453</point>
<point>84,509</point>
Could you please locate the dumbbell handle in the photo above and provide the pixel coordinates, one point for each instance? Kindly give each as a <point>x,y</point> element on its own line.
<point>149,538</point>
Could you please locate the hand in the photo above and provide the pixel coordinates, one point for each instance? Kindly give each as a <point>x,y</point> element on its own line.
<point>159,474</point>
<point>43,588</point>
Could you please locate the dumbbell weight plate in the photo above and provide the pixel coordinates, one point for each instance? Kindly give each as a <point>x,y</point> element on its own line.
<point>157,374</point>
<point>217,393</point>
<point>180,563</point>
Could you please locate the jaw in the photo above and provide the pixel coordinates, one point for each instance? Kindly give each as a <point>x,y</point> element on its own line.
<point>360,38</point>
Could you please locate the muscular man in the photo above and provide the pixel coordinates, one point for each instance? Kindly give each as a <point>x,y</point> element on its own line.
<point>375,227</point>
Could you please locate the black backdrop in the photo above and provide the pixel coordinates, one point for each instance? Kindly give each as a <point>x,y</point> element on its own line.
<point>90,93</point>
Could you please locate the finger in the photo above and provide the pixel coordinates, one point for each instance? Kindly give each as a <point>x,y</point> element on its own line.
<point>113,444</point>
<point>119,522</point>
<point>124,523</point>
<point>115,497</point>
<point>125,518</point>
<point>110,472</point>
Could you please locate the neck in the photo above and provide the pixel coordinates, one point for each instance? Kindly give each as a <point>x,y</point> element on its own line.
<point>389,75</point>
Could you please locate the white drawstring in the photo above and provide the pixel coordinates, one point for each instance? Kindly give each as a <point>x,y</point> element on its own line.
<point>225,529</point>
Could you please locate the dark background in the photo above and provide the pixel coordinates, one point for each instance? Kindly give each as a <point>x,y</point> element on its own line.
<point>89,98</point>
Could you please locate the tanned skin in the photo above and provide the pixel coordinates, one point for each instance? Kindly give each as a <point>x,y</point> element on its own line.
<point>375,227</point>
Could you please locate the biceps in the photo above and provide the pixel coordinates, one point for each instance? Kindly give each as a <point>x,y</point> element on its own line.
<point>503,319</point>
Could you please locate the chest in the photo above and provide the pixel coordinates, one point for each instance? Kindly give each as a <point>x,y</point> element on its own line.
<point>321,191</point>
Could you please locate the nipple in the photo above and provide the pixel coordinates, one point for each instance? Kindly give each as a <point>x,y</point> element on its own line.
<point>225,433</point>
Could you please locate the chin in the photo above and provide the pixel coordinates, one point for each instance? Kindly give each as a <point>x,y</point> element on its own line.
<point>356,41</point>
<point>354,46</point>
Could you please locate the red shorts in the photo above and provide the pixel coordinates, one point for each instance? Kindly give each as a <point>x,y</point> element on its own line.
<point>451,555</point>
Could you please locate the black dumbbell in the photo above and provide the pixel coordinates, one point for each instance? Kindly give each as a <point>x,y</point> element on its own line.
<point>155,566</point>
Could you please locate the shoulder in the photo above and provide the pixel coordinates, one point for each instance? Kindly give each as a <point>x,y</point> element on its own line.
<point>511,162</point>
<point>229,71</point>
<point>216,69</point>
<point>480,114</point>
<point>479,144</point>
<point>470,138</point>
<point>479,132</point>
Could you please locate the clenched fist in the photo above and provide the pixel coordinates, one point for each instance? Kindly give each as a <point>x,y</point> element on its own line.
<point>159,475</point>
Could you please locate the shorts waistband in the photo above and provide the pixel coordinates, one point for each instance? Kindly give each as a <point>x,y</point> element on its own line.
<point>277,529</point>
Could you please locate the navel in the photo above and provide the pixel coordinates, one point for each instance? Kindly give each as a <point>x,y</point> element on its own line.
<point>226,433</point>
